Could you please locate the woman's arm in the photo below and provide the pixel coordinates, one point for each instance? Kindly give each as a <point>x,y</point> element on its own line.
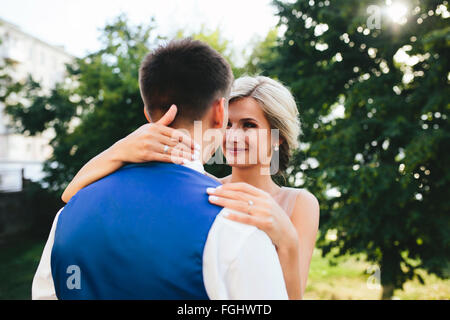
<point>98,167</point>
<point>290,264</point>
<point>143,145</point>
<point>305,219</point>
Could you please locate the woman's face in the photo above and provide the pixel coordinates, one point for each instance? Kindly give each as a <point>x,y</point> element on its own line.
<point>247,140</point>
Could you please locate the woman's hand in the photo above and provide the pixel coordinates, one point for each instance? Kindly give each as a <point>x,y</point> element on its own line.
<point>256,207</point>
<point>148,143</point>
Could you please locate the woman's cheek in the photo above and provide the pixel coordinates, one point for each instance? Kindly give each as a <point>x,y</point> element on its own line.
<point>264,149</point>
<point>252,142</point>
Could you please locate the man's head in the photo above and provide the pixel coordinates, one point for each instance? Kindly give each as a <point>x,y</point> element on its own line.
<point>187,73</point>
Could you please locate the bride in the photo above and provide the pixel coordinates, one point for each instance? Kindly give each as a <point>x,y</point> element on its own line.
<point>289,216</point>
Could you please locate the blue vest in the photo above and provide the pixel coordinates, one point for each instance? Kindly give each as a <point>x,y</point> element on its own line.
<point>136,234</point>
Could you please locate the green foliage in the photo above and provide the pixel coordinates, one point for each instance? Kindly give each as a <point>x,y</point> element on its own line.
<point>387,154</point>
<point>7,85</point>
<point>263,51</point>
<point>54,110</point>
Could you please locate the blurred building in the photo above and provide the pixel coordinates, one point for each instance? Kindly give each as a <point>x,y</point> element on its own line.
<point>46,64</point>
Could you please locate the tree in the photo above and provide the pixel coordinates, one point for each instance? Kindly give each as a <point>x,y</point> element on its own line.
<point>374,110</point>
<point>7,85</point>
<point>262,51</point>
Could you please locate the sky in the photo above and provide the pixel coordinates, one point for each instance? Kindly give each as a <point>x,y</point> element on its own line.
<point>75,24</point>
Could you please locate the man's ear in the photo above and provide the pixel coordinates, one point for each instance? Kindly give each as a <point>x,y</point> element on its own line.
<point>218,110</point>
<point>146,115</point>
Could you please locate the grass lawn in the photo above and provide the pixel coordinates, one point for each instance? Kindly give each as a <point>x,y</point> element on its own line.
<point>19,261</point>
<point>347,280</point>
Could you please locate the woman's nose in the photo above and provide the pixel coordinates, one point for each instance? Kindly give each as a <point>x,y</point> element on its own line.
<point>235,134</point>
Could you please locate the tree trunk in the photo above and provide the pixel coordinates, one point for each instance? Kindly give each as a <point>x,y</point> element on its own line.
<point>388,292</point>
<point>389,270</point>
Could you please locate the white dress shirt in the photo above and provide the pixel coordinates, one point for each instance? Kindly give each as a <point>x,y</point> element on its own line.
<point>240,262</point>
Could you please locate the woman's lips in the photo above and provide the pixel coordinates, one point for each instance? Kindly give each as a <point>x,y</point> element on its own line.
<point>234,150</point>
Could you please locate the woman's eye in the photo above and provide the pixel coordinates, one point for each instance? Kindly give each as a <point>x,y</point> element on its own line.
<point>249,125</point>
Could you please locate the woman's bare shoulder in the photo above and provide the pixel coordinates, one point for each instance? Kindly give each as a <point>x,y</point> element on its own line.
<point>300,193</point>
<point>306,204</point>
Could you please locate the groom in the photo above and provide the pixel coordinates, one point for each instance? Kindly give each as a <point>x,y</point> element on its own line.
<point>148,231</point>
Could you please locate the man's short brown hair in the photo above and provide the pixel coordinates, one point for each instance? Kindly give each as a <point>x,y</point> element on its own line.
<point>187,73</point>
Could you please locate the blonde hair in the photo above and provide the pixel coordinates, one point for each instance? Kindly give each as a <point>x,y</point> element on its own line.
<point>279,107</point>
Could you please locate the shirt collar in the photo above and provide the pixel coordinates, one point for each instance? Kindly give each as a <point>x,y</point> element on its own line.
<point>195,165</point>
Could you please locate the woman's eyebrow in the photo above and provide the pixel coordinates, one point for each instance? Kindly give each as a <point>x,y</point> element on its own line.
<point>248,119</point>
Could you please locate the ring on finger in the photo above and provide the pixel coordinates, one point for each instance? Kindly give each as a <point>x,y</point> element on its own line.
<point>250,204</point>
<point>166,148</point>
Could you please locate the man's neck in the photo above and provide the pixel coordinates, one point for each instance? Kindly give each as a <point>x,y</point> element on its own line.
<point>196,135</point>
